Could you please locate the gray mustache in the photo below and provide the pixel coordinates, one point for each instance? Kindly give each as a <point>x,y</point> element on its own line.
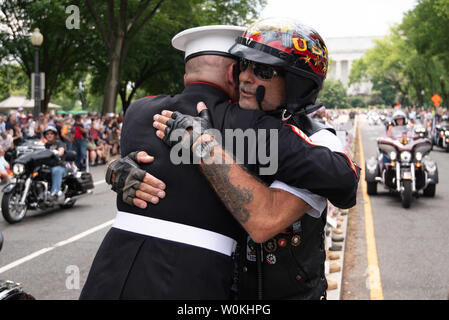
<point>246,88</point>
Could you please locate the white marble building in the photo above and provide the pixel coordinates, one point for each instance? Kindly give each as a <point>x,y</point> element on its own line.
<point>342,52</point>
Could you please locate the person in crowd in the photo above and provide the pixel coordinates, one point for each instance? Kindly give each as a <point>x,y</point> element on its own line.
<point>4,167</point>
<point>39,126</point>
<point>29,127</point>
<point>113,132</point>
<point>65,134</point>
<point>2,122</point>
<point>6,141</point>
<point>80,142</point>
<point>11,120</point>
<point>95,153</point>
<point>17,135</point>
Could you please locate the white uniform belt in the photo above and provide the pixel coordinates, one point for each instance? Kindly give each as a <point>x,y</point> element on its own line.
<point>174,231</point>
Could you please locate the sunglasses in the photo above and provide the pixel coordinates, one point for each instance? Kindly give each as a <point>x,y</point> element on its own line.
<point>261,71</point>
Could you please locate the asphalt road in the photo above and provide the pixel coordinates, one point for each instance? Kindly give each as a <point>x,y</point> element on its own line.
<point>412,244</point>
<point>60,272</point>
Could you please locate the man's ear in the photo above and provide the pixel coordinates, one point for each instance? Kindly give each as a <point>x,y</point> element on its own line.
<point>232,75</point>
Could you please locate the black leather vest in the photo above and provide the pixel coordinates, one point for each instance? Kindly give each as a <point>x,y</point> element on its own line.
<point>293,261</point>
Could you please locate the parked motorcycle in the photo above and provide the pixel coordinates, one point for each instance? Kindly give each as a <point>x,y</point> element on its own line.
<point>403,166</point>
<point>29,188</point>
<point>10,290</point>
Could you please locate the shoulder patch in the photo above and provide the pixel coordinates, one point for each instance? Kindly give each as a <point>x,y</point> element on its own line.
<point>301,134</point>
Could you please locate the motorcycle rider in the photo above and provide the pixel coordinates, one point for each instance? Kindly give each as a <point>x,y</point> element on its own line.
<point>399,119</point>
<point>4,167</point>
<point>57,170</point>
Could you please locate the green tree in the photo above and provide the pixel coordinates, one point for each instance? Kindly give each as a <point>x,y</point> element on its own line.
<point>12,80</point>
<point>411,63</point>
<point>426,28</point>
<point>357,102</point>
<point>333,94</point>
<point>137,37</point>
<point>119,23</point>
<point>60,54</point>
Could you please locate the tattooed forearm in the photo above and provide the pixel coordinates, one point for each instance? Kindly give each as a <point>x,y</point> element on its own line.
<point>233,197</point>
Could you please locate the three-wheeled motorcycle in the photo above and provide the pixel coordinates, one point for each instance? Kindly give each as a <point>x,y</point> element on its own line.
<point>403,166</point>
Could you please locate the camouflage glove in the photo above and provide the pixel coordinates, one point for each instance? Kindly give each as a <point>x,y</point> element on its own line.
<point>125,177</point>
<point>199,125</point>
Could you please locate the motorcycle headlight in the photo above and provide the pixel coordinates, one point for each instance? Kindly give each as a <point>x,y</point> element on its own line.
<point>393,155</point>
<point>406,156</point>
<point>446,133</point>
<point>18,168</point>
<point>418,156</point>
<point>430,166</point>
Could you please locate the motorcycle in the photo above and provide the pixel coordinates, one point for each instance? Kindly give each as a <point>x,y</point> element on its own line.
<point>420,129</point>
<point>10,290</point>
<point>403,166</point>
<point>29,188</point>
<point>441,137</point>
<point>373,119</point>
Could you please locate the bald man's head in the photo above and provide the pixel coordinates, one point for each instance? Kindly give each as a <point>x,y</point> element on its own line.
<point>215,69</point>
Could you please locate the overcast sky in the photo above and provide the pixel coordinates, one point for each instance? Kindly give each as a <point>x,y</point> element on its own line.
<point>341,18</point>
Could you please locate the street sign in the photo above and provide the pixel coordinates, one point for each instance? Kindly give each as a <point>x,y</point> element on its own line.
<point>38,86</point>
<point>436,99</point>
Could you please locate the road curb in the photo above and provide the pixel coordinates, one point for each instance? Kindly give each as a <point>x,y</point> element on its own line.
<point>335,294</point>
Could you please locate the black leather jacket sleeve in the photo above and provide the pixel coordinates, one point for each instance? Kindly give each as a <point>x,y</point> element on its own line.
<point>300,162</point>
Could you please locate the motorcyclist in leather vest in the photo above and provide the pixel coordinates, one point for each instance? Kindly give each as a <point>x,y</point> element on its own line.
<point>293,266</point>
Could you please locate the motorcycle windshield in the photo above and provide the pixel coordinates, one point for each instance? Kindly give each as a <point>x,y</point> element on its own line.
<point>37,157</point>
<point>399,132</point>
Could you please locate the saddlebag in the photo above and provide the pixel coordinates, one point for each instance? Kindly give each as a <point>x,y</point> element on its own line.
<point>85,181</point>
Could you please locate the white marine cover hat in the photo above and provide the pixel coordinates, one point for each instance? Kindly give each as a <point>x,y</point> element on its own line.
<point>216,39</point>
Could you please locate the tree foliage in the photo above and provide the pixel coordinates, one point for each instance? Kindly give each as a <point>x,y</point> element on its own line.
<point>12,80</point>
<point>59,57</point>
<point>136,35</point>
<point>333,94</point>
<point>411,63</point>
<point>126,41</point>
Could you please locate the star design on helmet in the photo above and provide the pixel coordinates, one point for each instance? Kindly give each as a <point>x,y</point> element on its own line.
<point>306,59</point>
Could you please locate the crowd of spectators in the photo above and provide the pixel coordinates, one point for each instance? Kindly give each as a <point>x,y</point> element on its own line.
<point>91,136</point>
